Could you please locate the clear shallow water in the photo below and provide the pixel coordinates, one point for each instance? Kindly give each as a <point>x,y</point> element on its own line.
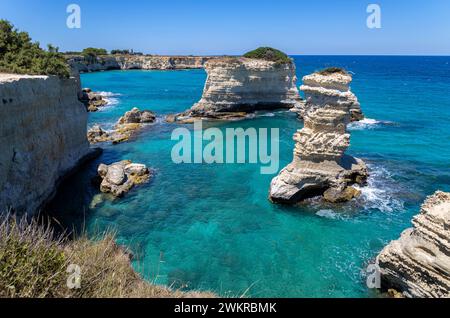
<point>212,227</point>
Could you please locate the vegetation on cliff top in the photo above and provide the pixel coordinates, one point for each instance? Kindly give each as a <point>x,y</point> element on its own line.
<point>332,70</point>
<point>34,263</point>
<point>268,54</point>
<point>19,55</point>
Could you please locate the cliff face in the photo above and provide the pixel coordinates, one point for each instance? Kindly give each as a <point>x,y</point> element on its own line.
<point>320,165</point>
<point>144,62</point>
<point>239,85</point>
<point>418,263</point>
<point>42,137</point>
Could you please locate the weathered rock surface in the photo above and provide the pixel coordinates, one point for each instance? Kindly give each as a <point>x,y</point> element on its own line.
<point>127,126</point>
<point>237,86</point>
<point>118,178</point>
<point>128,62</point>
<point>342,90</point>
<point>92,100</point>
<point>42,138</point>
<point>320,165</point>
<point>418,263</point>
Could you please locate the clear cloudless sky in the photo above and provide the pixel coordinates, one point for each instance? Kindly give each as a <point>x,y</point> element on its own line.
<point>409,27</point>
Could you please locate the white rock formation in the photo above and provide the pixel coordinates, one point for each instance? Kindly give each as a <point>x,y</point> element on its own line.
<point>42,137</point>
<point>418,263</point>
<point>235,86</point>
<point>118,178</point>
<point>320,166</point>
<point>128,62</point>
<point>343,88</point>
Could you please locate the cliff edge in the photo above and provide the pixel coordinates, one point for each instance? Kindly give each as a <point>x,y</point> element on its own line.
<point>42,137</point>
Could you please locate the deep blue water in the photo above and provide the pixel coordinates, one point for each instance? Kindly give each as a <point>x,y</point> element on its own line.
<point>212,227</point>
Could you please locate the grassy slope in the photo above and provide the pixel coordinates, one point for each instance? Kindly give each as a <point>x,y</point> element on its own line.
<point>33,263</point>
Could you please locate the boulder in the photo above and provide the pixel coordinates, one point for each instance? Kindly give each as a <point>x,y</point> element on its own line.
<point>118,178</point>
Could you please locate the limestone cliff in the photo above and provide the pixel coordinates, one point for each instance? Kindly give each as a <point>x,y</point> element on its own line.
<point>128,62</point>
<point>320,165</point>
<point>355,107</point>
<point>235,86</point>
<point>418,263</point>
<point>42,137</point>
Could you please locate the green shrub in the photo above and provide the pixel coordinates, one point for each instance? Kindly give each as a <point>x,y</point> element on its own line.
<point>332,70</point>
<point>18,54</point>
<point>268,54</point>
<point>94,52</point>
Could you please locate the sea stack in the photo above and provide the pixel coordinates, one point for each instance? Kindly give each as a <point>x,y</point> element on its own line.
<point>320,165</point>
<point>356,113</point>
<point>263,79</point>
<point>418,263</point>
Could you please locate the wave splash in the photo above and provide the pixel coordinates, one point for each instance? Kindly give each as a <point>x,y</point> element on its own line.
<point>110,97</point>
<point>380,191</point>
<point>368,123</point>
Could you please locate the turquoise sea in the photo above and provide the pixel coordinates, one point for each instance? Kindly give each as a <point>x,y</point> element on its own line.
<point>211,227</point>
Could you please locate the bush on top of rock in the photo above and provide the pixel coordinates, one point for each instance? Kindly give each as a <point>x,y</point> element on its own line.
<point>332,70</point>
<point>268,54</point>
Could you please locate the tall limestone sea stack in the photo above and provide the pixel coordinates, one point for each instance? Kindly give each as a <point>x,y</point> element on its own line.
<point>418,263</point>
<point>263,79</point>
<point>320,165</point>
<point>355,107</point>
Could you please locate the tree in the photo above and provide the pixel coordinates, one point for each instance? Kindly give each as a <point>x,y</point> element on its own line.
<point>18,54</point>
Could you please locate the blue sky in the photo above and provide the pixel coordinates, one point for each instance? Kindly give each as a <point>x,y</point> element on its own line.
<point>409,27</point>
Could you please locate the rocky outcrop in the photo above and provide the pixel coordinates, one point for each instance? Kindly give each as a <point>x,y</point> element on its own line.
<point>118,178</point>
<point>42,138</point>
<point>128,62</point>
<point>320,165</point>
<point>343,89</point>
<point>92,100</point>
<point>237,86</point>
<point>127,126</point>
<point>418,263</point>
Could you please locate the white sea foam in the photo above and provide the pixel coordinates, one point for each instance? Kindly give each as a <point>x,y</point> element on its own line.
<point>366,123</point>
<point>110,98</point>
<point>379,193</point>
<point>328,214</point>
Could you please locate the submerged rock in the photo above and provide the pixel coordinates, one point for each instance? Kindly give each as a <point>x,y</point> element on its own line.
<point>328,84</point>
<point>128,125</point>
<point>118,178</point>
<point>237,86</point>
<point>320,165</point>
<point>418,263</point>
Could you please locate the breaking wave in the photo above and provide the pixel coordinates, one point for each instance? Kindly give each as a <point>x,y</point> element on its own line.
<point>381,191</point>
<point>367,123</point>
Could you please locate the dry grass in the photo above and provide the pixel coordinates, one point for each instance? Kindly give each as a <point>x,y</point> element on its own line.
<point>33,264</point>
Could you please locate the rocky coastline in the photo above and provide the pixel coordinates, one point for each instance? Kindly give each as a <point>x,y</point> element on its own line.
<point>320,166</point>
<point>135,62</point>
<point>126,127</point>
<point>418,263</point>
<point>237,86</point>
